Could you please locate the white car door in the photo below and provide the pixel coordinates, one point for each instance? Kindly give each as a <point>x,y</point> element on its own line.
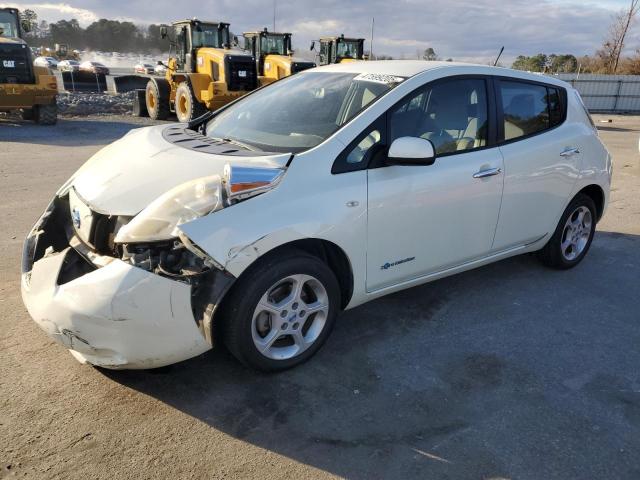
<point>424,219</point>
<point>542,161</point>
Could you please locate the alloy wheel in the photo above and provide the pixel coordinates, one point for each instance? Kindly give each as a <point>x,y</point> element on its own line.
<point>576,233</point>
<point>290,317</point>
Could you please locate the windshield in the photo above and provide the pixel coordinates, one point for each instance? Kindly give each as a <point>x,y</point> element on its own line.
<point>272,44</point>
<point>347,49</point>
<point>208,35</point>
<point>300,111</point>
<point>8,25</point>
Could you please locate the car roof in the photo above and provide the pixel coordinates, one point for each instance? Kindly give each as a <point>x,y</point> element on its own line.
<point>410,68</point>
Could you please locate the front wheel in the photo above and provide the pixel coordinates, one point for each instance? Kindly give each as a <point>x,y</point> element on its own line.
<point>281,312</point>
<point>187,105</point>
<point>573,235</point>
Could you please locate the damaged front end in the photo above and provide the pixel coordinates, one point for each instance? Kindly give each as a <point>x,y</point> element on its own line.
<point>118,305</point>
<point>132,291</point>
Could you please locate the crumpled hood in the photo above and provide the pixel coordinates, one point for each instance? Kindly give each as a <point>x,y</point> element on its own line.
<point>124,177</point>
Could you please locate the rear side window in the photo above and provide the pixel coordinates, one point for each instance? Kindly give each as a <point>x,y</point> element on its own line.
<point>530,108</point>
<point>525,107</point>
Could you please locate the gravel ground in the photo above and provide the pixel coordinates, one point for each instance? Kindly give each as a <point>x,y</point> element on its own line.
<point>508,371</point>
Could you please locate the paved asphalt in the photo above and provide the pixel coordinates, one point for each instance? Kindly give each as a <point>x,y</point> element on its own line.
<point>509,371</point>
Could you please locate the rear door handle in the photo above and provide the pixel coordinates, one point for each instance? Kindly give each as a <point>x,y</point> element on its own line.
<point>490,172</point>
<point>569,152</point>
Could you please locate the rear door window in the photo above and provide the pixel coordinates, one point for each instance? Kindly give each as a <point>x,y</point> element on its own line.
<point>525,107</point>
<point>530,108</point>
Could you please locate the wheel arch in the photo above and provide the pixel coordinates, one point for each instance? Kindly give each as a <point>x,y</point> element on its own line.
<point>596,193</point>
<point>330,253</point>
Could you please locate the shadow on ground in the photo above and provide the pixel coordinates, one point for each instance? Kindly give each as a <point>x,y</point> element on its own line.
<point>68,132</point>
<point>511,370</point>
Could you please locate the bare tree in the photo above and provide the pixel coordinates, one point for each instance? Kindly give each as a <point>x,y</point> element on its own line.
<point>614,44</point>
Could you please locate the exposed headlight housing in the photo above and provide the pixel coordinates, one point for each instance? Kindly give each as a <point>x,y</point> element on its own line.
<point>181,204</point>
<point>196,198</point>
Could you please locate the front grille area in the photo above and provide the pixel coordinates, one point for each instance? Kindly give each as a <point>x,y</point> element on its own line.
<point>95,229</point>
<point>15,64</point>
<point>240,73</point>
<point>55,231</point>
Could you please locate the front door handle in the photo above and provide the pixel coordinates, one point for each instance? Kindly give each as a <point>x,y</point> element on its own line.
<point>569,152</point>
<point>490,172</point>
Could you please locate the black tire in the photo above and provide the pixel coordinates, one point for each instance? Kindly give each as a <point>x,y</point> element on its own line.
<point>157,99</point>
<point>140,104</point>
<point>236,316</point>
<point>552,254</point>
<point>187,105</point>
<point>46,114</point>
<point>27,114</point>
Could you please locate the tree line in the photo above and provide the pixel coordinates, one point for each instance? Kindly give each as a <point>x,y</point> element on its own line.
<point>102,35</point>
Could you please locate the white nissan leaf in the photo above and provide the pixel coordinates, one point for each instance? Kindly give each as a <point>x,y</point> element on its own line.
<point>255,225</point>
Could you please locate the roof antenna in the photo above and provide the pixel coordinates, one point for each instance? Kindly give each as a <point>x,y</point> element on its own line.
<point>499,55</point>
<point>274,14</point>
<point>373,22</point>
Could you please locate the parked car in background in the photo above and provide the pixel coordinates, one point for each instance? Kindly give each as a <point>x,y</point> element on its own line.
<point>48,62</point>
<point>160,68</point>
<point>144,68</point>
<point>68,66</point>
<point>258,224</point>
<point>94,67</point>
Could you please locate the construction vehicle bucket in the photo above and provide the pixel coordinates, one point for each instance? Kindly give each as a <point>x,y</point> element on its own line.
<point>126,83</point>
<point>84,82</point>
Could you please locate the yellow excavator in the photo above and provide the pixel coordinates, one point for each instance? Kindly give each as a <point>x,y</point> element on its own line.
<point>203,73</point>
<point>274,55</point>
<point>23,86</point>
<point>339,49</point>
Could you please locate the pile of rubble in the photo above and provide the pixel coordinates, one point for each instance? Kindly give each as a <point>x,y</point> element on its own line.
<point>82,104</point>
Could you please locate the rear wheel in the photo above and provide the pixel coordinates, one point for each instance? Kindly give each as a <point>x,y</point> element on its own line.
<point>140,104</point>
<point>280,312</point>
<point>187,105</point>
<point>573,235</point>
<point>157,99</point>
<point>46,114</point>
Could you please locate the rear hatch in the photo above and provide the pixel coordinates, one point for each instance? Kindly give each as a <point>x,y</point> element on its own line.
<point>15,62</point>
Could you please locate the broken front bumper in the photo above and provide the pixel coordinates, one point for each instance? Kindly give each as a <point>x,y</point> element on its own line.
<point>115,316</point>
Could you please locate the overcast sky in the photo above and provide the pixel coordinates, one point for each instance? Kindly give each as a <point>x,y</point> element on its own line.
<point>466,30</point>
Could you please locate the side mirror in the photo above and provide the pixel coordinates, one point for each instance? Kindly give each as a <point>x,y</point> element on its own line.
<point>313,46</point>
<point>163,32</point>
<point>235,41</point>
<point>26,26</point>
<point>411,151</point>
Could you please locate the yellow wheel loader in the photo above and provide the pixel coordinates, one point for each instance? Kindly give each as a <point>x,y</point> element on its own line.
<point>203,74</point>
<point>24,86</point>
<point>61,52</point>
<point>274,55</point>
<point>339,50</point>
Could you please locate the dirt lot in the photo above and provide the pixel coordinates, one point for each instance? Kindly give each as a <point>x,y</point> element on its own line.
<point>509,371</point>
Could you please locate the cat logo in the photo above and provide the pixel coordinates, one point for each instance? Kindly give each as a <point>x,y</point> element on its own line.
<point>9,63</point>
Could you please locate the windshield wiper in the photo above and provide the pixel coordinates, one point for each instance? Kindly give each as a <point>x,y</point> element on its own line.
<point>236,142</point>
